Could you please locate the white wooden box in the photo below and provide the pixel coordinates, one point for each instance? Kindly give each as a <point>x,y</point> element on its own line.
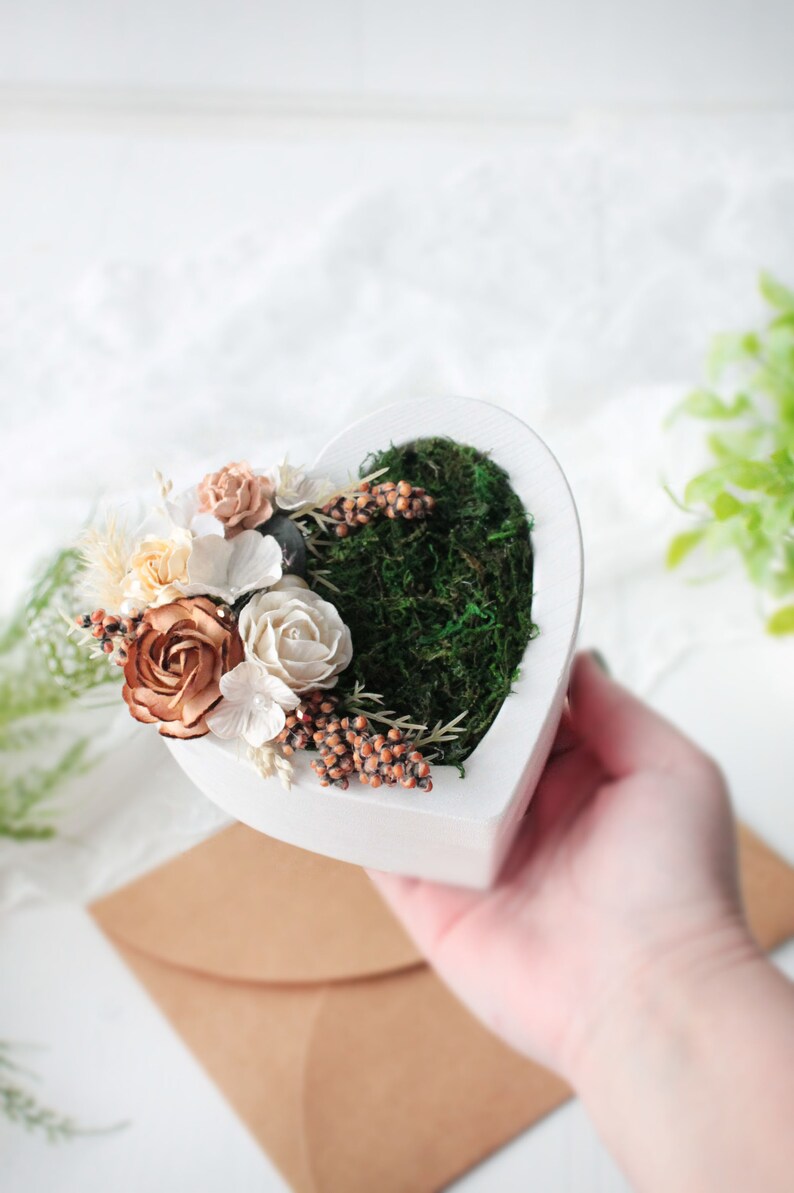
<point>461,831</point>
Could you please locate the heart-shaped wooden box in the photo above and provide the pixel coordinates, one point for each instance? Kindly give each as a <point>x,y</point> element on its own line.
<point>462,830</point>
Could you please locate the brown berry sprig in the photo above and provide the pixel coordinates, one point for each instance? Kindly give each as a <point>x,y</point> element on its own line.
<point>334,744</point>
<point>295,735</point>
<point>388,758</point>
<point>395,499</point>
<point>348,744</point>
<point>311,716</point>
<point>113,631</point>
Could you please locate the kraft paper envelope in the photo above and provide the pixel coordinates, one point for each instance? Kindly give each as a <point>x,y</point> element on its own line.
<point>304,1000</point>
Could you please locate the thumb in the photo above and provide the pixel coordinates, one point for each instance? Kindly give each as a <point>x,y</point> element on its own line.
<point>623,733</point>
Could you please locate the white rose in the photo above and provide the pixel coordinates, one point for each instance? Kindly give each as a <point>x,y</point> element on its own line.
<point>298,636</point>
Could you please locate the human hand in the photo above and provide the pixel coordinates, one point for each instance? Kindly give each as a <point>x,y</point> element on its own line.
<point>624,868</point>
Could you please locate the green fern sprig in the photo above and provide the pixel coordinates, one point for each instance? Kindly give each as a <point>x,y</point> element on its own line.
<point>22,795</point>
<point>21,1107</point>
<point>44,675</point>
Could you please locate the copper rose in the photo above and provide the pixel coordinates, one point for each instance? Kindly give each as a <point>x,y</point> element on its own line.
<point>236,497</point>
<point>175,664</point>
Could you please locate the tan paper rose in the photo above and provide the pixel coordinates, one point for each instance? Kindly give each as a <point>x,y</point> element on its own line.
<point>237,498</point>
<point>175,664</point>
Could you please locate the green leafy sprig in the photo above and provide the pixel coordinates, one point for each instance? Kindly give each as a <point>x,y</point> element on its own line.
<point>744,502</point>
<point>22,796</point>
<point>21,1107</point>
<point>44,674</point>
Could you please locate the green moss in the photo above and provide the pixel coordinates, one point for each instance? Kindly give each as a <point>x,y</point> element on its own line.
<point>440,610</point>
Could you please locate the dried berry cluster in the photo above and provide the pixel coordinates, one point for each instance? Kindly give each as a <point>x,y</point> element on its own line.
<point>310,717</point>
<point>396,500</point>
<point>113,631</point>
<point>348,745</point>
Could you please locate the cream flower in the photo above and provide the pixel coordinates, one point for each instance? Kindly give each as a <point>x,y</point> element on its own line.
<point>253,705</point>
<point>158,567</point>
<point>294,489</point>
<point>297,636</point>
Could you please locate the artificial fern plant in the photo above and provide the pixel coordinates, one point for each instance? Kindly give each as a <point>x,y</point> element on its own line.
<point>44,676</point>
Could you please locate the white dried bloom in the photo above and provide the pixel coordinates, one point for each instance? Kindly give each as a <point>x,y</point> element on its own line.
<point>230,568</point>
<point>295,489</point>
<point>253,705</point>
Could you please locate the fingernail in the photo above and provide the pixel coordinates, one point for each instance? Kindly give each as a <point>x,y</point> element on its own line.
<point>600,661</point>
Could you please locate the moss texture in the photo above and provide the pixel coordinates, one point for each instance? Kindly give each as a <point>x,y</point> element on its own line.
<point>440,610</point>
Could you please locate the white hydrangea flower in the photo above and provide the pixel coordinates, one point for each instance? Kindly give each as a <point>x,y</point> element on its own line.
<point>230,568</point>
<point>252,706</point>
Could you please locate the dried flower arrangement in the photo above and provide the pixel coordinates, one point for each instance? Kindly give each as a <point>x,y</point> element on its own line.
<point>260,606</point>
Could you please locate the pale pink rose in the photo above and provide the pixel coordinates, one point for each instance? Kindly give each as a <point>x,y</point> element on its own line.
<point>237,498</point>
